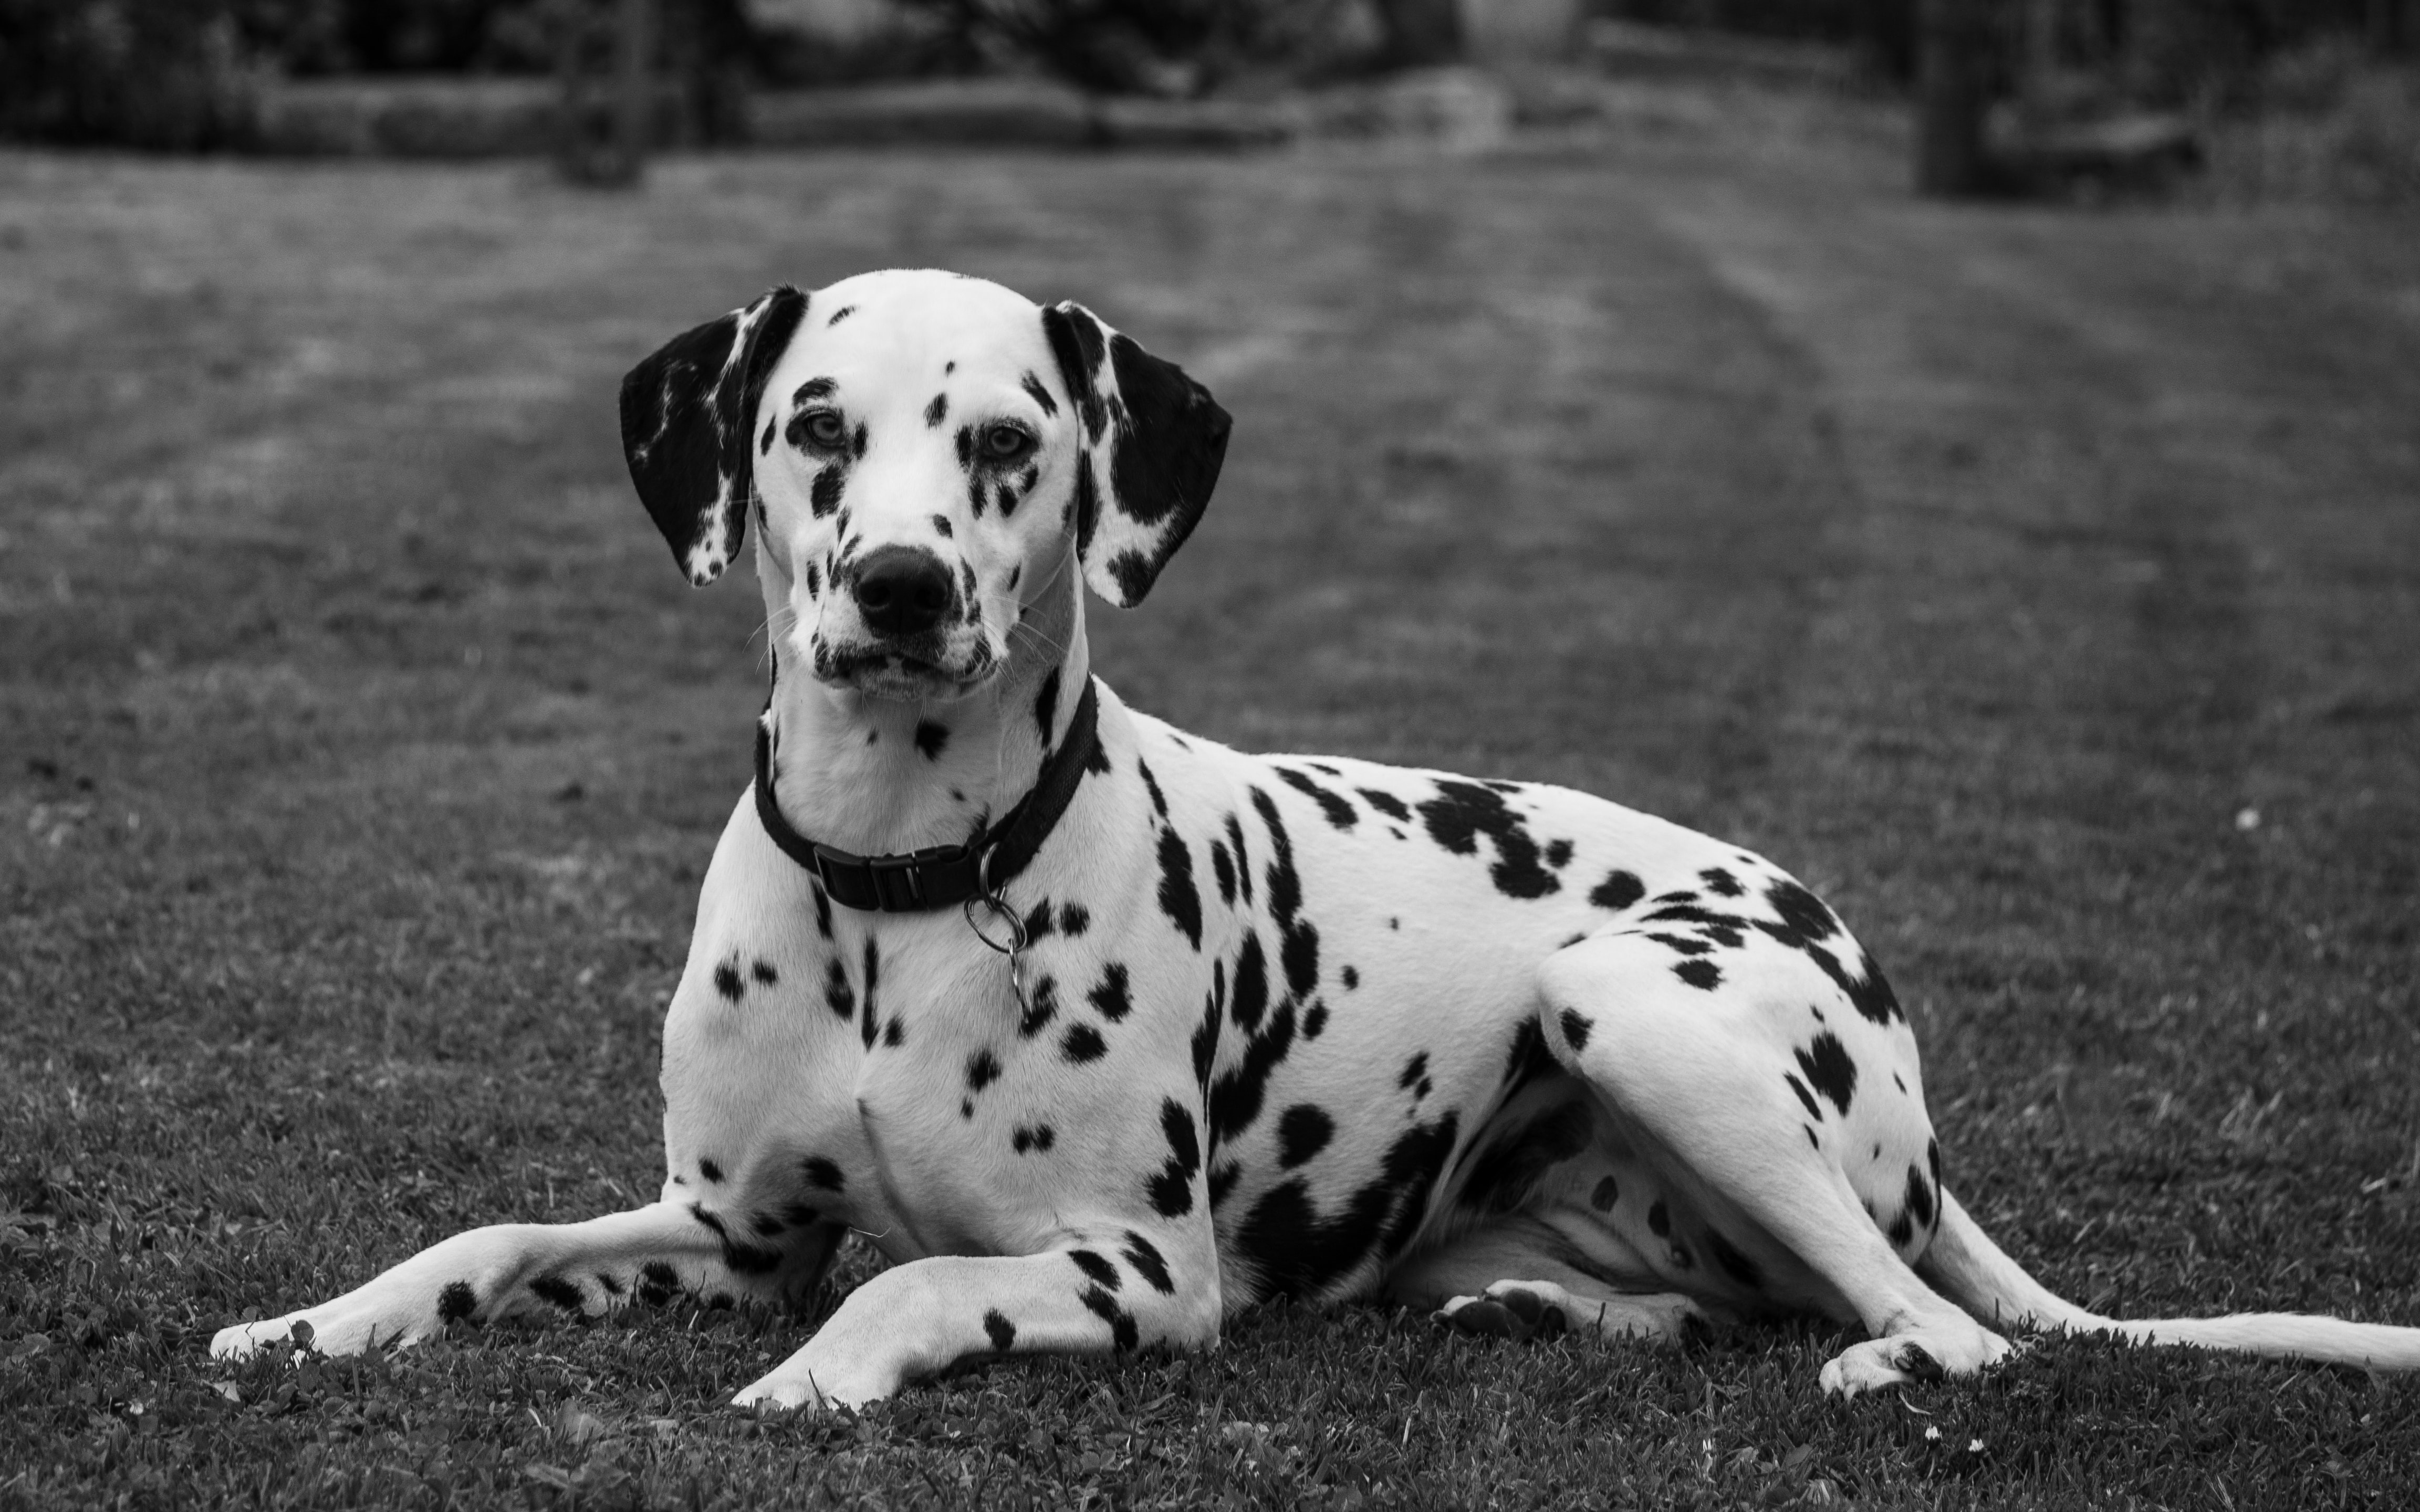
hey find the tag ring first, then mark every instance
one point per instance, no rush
(999, 906)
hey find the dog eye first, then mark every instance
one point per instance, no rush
(820, 428)
(1007, 442)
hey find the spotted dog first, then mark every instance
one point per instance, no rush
(1101, 1031)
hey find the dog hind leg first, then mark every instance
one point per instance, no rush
(1697, 1079)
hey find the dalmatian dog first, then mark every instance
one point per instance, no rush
(1101, 1031)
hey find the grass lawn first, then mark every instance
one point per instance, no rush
(2043, 587)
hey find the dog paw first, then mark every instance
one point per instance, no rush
(823, 1386)
(1924, 1355)
(1512, 1310)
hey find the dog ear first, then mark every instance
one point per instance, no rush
(686, 413)
(1149, 455)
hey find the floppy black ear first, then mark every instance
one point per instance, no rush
(685, 416)
(1152, 441)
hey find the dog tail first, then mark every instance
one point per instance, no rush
(1971, 1271)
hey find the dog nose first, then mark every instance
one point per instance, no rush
(901, 589)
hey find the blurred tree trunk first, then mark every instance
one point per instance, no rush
(1953, 52)
(1421, 33)
(605, 50)
(2390, 27)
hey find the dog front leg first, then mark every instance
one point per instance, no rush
(586, 1269)
(926, 1316)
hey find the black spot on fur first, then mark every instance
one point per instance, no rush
(823, 1173)
(983, 1069)
(942, 528)
(1659, 1219)
(1001, 1332)
(823, 494)
(1303, 1132)
(457, 1302)
(1038, 921)
(1316, 1020)
(1575, 1028)
(1122, 1324)
(1150, 786)
(1074, 920)
(1041, 395)
(1171, 1190)
(1619, 889)
(1235, 1097)
(1462, 812)
(1222, 867)
(710, 1171)
(1801, 910)
(1386, 803)
(1145, 1258)
(1559, 854)
(932, 738)
(1298, 940)
(1414, 1068)
(764, 447)
(1178, 897)
(1903, 1229)
(1700, 974)
(764, 973)
(1299, 1251)
(739, 1256)
(1252, 999)
(727, 982)
(1919, 1198)
(1040, 1137)
(1042, 1006)
(1045, 706)
(838, 315)
(1685, 944)
(1340, 812)
(873, 974)
(937, 411)
(1720, 882)
(1829, 1069)
(1110, 995)
(1607, 1193)
(1804, 1095)
(1205, 1034)
(1243, 860)
(557, 1292)
(658, 1283)
(1102, 1272)
(1083, 1043)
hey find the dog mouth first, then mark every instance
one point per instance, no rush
(911, 672)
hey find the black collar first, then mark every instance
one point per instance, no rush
(941, 875)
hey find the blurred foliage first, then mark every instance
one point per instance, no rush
(1160, 47)
(184, 74)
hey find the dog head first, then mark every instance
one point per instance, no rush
(921, 452)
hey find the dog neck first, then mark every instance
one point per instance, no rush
(884, 776)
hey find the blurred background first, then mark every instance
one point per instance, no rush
(2282, 96)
